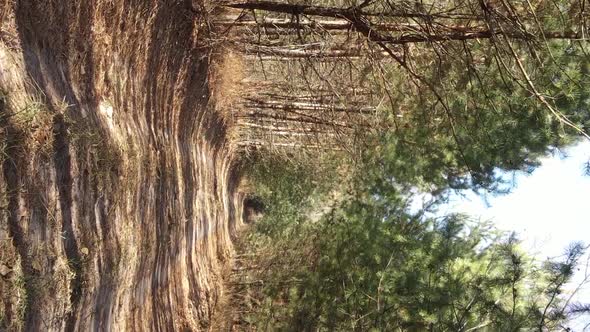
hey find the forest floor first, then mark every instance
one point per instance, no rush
(118, 191)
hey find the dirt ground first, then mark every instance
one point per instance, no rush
(118, 192)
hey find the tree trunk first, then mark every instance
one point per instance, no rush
(333, 12)
(328, 25)
(359, 22)
(307, 106)
(283, 52)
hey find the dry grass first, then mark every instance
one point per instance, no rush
(25, 109)
(93, 147)
(35, 120)
(13, 302)
(228, 73)
(5, 6)
(114, 208)
(61, 280)
(32, 121)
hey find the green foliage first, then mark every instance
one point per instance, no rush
(472, 114)
(288, 187)
(370, 264)
(459, 112)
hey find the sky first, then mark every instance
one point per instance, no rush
(549, 208)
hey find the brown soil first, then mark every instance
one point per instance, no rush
(118, 191)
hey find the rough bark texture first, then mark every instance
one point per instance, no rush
(120, 217)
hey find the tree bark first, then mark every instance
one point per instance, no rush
(306, 106)
(328, 25)
(333, 12)
(283, 52)
(359, 21)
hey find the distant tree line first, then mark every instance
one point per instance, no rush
(500, 78)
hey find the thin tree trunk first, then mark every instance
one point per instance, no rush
(288, 145)
(276, 23)
(306, 106)
(333, 12)
(358, 20)
(300, 120)
(283, 52)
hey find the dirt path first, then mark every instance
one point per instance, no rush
(118, 206)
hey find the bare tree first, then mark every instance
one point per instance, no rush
(339, 49)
